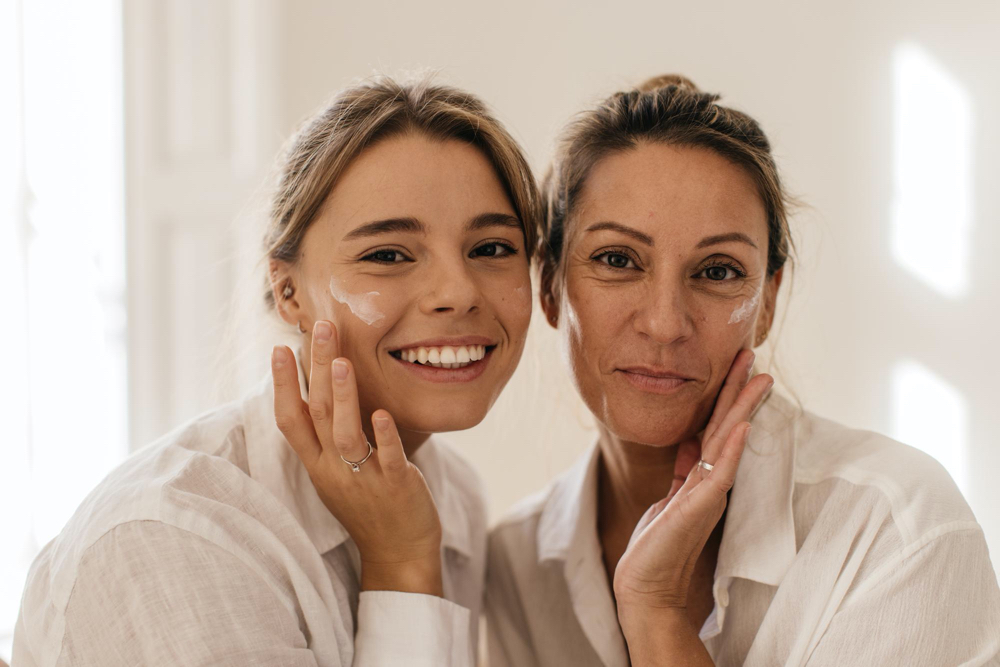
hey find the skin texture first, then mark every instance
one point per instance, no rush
(645, 313)
(446, 279)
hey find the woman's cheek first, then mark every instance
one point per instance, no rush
(511, 300)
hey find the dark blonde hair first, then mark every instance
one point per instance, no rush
(667, 109)
(357, 118)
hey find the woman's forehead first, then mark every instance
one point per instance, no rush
(440, 183)
(676, 193)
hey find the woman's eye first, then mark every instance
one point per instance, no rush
(616, 260)
(495, 249)
(721, 273)
(385, 257)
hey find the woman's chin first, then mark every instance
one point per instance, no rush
(653, 429)
(440, 421)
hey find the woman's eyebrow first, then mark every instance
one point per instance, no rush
(390, 225)
(484, 220)
(726, 238)
(622, 229)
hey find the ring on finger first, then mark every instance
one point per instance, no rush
(705, 465)
(356, 465)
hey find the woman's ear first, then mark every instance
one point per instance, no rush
(549, 296)
(284, 289)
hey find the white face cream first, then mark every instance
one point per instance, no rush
(745, 309)
(361, 305)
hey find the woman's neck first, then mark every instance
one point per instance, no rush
(631, 477)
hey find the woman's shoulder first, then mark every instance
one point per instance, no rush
(863, 468)
(195, 479)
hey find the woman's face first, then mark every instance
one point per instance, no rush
(418, 255)
(664, 283)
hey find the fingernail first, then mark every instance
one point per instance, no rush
(746, 434)
(381, 423)
(339, 370)
(279, 356)
(322, 331)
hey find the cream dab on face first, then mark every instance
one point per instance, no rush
(745, 309)
(361, 305)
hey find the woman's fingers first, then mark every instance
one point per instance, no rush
(325, 349)
(290, 412)
(736, 380)
(391, 457)
(347, 435)
(688, 454)
(723, 474)
(742, 409)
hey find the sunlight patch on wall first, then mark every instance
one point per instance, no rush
(932, 167)
(931, 415)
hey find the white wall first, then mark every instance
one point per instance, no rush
(819, 77)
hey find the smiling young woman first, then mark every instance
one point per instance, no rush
(269, 531)
(673, 542)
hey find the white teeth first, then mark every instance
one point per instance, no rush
(445, 356)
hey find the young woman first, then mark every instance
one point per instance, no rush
(399, 245)
(661, 257)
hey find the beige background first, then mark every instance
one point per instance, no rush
(212, 88)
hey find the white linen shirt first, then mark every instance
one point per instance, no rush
(840, 547)
(212, 547)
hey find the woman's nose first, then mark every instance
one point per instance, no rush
(450, 289)
(665, 315)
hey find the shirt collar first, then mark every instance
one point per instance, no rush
(569, 517)
(758, 541)
(274, 464)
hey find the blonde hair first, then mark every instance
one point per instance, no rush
(366, 113)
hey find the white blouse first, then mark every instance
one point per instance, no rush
(840, 547)
(211, 547)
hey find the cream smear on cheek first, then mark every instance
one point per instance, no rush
(362, 305)
(746, 309)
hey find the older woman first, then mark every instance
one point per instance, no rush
(662, 255)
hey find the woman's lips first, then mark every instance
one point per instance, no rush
(467, 373)
(653, 381)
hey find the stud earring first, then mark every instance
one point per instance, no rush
(288, 292)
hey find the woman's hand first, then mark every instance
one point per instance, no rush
(653, 576)
(386, 506)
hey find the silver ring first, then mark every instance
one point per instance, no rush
(705, 465)
(356, 465)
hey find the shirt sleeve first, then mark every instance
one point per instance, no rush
(508, 639)
(396, 628)
(148, 593)
(937, 606)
